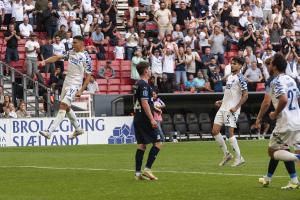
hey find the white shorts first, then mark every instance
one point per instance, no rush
(285, 140)
(68, 94)
(226, 118)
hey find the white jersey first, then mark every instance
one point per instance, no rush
(78, 64)
(289, 118)
(235, 85)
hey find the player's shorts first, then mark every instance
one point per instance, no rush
(68, 94)
(285, 140)
(144, 132)
(226, 118)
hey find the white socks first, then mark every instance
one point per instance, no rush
(233, 142)
(72, 117)
(220, 140)
(285, 156)
(59, 118)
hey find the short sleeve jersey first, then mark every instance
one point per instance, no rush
(143, 91)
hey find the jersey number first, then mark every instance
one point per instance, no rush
(291, 97)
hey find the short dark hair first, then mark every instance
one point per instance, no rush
(279, 62)
(141, 67)
(238, 60)
(78, 37)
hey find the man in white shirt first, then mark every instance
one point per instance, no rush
(59, 50)
(132, 39)
(18, 12)
(7, 12)
(32, 48)
(28, 10)
(163, 19)
(25, 28)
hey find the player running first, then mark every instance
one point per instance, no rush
(284, 94)
(235, 95)
(79, 64)
(144, 124)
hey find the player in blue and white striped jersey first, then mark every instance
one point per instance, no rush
(235, 95)
(79, 65)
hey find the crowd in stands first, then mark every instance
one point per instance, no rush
(188, 43)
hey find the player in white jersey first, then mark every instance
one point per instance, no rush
(79, 65)
(235, 95)
(284, 94)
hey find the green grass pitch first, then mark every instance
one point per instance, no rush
(187, 170)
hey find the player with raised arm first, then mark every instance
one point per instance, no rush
(79, 64)
(235, 95)
(284, 95)
(145, 124)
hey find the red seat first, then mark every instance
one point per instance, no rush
(21, 42)
(113, 88)
(100, 63)
(21, 49)
(127, 81)
(1, 35)
(103, 88)
(22, 56)
(115, 62)
(114, 81)
(125, 92)
(125, 63)
(113, 92)
(125, 88)
(116, 67)
(260, 87)
(125, 74)
(3, 49)
(101, 81)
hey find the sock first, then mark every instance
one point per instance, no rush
(221, 142)
(233, 142)
(290, 167)
(285, 156)
(59, 117)
(152, 156)
(272, 167)
(139, 160)
(72, 117)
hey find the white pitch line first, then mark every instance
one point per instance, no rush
(130, 170)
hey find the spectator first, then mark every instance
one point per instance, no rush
(59, 50)
(275, 36)
(276, 16)
(157, 114)
(6, 112)
(89, 45)
(47, 52)
(7, 12)
(268, 53)
(1, 12)
(11, 37)
(110, 9)
(25, 28)
(119, 51)
(217, 42)
(163, 19)
(1, 99)
(92, 87)
(63, 14)
(287, 42)
(12, 111)
(202, 10)
(56, 80)
(131, 42)
(249, 37)
(22, 113)
(156, 61)
(225, 12)
(97, 37)
(169, 64)
(177, 35)
(28, 11)
(190, 39)
(258, 13)
(190, 85)
(190, 60)
(200, 83)
(136, 59)
(85, 26)
(107, 72)
(253, 75)
(40, 6)
(32, 48)
(108, 28)
(292, 65)
(141, 17)
(180, 69)
(62, 33)
(18, 12)
(68, 41)
(183, 14)
(51, 17)
(165, 85)
(217, 79)
(76, 28)
(287, 21)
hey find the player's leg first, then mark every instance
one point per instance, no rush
(73, 119)
(139, 155)
(239, 160)
(218, 122)
(151, 158)
(59, 118)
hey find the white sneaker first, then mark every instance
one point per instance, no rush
(291, 186)
(226, 159)
(238, 162)
(265, 181)
(76, 133)
(46, 134)
(175, 140)
(148, 173)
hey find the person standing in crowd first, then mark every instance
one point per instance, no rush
(132, 39)
(11, 37)
(157, 114)
(32, 48)
(25, 28)
(50, 17)
(217, 41)
(59, 50)
(163, 19)
(136, 59)
(18, 12)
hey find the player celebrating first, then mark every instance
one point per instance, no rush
(284, 94)
(144, 124)
(235, 95)
(79, 64)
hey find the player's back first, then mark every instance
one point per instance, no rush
(289, 119)
(78, 64)
(235, 85)
(142, 91)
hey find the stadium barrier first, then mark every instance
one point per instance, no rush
(98, 130)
